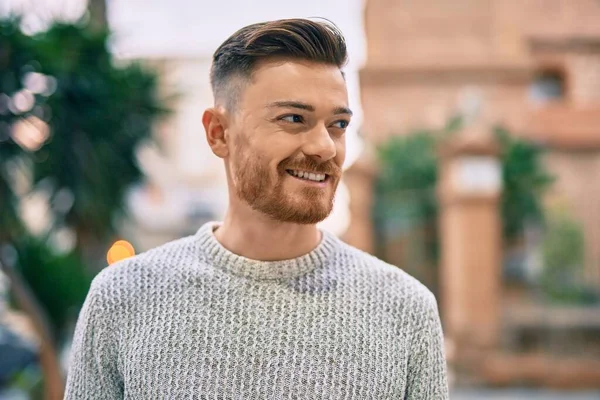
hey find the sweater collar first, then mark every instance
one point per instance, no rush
(224, 259)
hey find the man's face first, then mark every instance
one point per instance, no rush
(288, 140)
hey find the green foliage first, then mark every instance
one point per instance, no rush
(410, 174)
(96, 115)
(60, 281)
(9, 220)
(409, 162)
(563, 258)
(524, 182)
(17, 55)
(562, 247)
(99, 114)
(406, 203)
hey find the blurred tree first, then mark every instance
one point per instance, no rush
(406, 200)
(70, 122)
(100, 113)
(17, 105)
(16, 56)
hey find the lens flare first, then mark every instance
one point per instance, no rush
(120, 250)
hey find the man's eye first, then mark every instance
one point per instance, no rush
(342, 124)
(293, 118)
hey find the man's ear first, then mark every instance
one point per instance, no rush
(215, 124)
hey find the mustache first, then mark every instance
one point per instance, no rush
(309, 164)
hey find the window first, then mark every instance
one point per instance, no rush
(547, 86)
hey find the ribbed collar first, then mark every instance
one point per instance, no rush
(224, 259)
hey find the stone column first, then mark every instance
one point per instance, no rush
(470, 227)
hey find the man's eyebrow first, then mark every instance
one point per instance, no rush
(342, 110)
(291, 104)
(307, 107)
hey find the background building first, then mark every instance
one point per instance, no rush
(534, 67)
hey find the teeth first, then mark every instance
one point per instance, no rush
(308, 175)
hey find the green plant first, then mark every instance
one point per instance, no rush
(405, 207)
(17, 57)
(60, 281)
(524, 181)
(100, 113)
(562, 262)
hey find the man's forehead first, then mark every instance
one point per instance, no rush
(298, 72)
(302, 82)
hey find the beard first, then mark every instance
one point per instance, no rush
(308, 205)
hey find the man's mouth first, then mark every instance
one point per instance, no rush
(306, 175)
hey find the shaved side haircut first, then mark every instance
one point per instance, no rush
(296, 39)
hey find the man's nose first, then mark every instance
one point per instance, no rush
(319, 144)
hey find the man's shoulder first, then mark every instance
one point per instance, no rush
(384, 276)
(148, 268)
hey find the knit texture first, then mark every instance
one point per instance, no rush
(192, 320)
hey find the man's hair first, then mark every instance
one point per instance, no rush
(300, 39)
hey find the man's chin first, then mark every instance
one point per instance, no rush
(299, 215)
(303, 219)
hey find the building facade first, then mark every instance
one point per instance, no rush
(532, 66)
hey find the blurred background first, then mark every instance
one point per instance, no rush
(473, 164)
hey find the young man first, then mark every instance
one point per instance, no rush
(264, 305)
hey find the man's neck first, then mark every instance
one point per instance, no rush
(257, 237)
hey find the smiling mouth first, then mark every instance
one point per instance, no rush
(308, 176)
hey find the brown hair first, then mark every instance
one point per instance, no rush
(302, 39)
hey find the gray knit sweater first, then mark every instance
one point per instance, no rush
(191, 320)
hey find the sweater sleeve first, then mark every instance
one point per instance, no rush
(93, 370)
(427, 371)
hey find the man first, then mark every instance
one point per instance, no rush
(264, 305)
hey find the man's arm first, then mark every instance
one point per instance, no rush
(427, 371)
(93, 370)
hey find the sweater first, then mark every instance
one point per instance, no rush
(192, 320)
